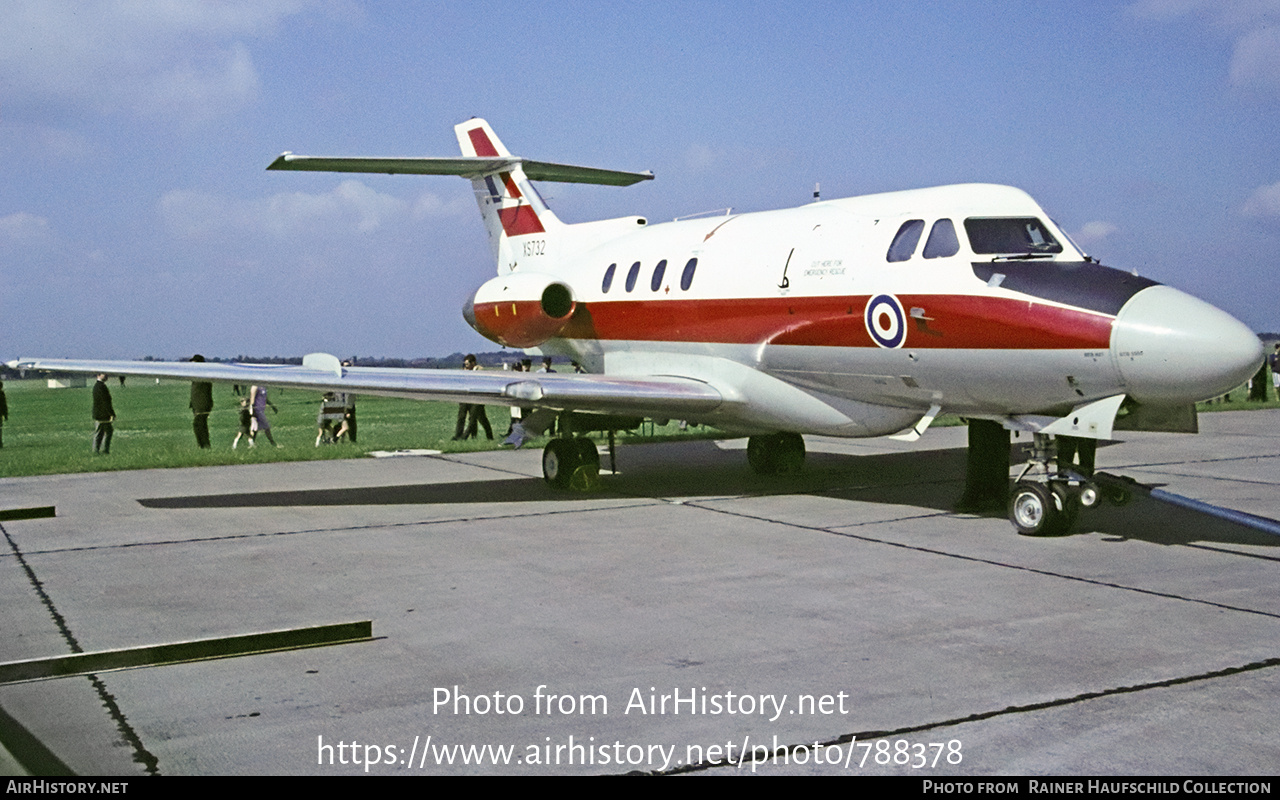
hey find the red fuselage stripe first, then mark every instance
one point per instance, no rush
(950, 322)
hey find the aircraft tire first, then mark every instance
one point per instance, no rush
(559, 460)
(1069, 505)
(789, 454)
(588, 455)
(760, 455)
(1033, 510)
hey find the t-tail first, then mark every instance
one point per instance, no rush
(515, 216)
(523, 232)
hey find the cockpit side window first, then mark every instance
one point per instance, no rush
(905, 241)
(942, 241)
(1010, 235)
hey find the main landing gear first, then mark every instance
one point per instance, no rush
(571, 464)
(1048, 496)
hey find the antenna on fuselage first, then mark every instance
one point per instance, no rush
(817, 192)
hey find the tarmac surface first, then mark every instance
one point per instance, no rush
(1147, 642)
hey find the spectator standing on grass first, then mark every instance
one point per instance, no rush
(471, 415)
(246, 424)
(258, 402)
(330, 416)
(104, 416)
(1273, 361)
(4, 412)
(201, 406)
(348, 427)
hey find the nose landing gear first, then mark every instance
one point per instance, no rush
(1049, 503)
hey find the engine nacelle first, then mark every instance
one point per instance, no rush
(523, 309)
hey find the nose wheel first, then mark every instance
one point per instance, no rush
(1040, 509)
(1050, 505)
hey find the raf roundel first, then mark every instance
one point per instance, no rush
(885, 321)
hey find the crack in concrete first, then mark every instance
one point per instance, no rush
(141, 755)
(992, 562)
(872, 735)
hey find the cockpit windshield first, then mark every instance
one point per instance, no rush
(1010, 236)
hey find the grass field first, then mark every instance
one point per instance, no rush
(50, 431)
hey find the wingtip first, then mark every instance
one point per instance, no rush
(281, 160)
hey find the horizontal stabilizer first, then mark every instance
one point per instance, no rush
(466, 167)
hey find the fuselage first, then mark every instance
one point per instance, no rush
(964, 297)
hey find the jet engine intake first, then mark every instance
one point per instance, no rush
(523, 309)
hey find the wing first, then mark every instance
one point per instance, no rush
(645, 396)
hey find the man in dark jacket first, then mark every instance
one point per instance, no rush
(104, 415)
(201, 405)
(4, 412)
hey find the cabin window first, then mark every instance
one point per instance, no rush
(656, 282)
(904, 243)
(631, 276)
(608, 278)
(1010, 235)
(686, 278)
(942, 241)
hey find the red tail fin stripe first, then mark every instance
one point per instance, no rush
(481, 143)
(520, 220)
(511, 186)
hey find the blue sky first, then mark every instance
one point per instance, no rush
(137, 218)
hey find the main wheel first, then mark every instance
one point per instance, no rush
(586, 475)
(588, 455)
(1034, 511)
(559, 459)
(788, 456)
(760, 455)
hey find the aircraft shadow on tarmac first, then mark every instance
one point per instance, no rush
(931, 480)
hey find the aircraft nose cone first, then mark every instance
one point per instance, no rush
(1173, 349)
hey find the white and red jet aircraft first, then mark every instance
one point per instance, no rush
(865, 316)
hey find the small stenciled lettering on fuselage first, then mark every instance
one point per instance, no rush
(829, 267)
(536, 247)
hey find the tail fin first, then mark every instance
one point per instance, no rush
(510, 205)
(522, 230)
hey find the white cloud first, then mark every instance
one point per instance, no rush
(351, 207)
(170, 58)
(1252, 25)
(700, 158)
(1265, 202)
(23, 227)
(1093, 232)
(1255, 64)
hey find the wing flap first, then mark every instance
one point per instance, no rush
(659, 395)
